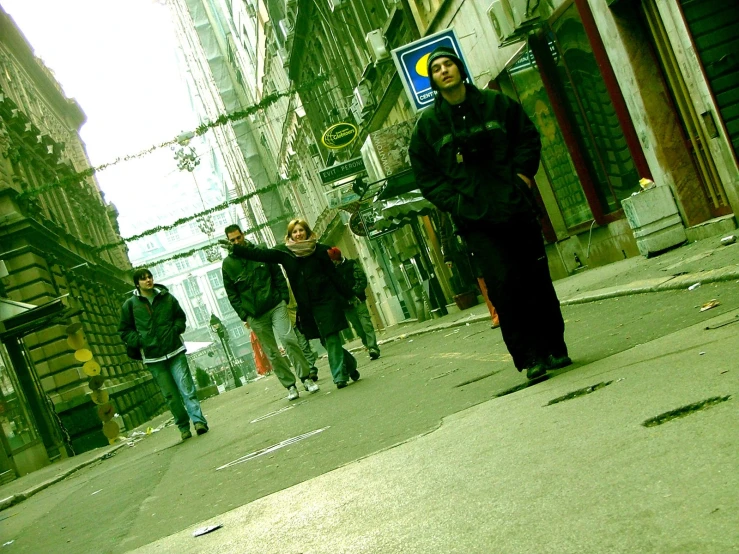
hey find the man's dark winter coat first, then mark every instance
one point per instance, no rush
(353, 275)
(318, 290)
(253, 287)
(156, 327)
(466, 158)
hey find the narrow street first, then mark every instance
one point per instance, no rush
(161, 486)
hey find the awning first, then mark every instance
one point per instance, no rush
(193, 347)
(400, 183)
(18, 319)
(401, 209)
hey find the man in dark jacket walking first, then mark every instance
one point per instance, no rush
(474, 154)
(152, 323)
(356, 311)
(258, 293)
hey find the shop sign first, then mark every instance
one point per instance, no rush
(342, 195)
(411, 62)
(342, 170)
(339, 135)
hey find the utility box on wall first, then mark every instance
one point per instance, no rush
(653, 217)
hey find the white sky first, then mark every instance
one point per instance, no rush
(117, 59)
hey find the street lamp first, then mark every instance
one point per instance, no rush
(219, 330)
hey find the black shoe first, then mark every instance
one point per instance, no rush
(536, 371)
(354, 374)
(374, 354)
(185, 434)
(201, 428)
(556, 362)
(340, 384)
(313, 374)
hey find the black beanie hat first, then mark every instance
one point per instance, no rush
(445, 52)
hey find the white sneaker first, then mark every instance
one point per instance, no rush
(310, 386)
(292, 393)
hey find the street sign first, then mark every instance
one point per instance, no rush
(411, 63)
(342, 170)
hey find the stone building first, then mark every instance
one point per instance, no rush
(53, 218)
(619, 89)
(214, 62)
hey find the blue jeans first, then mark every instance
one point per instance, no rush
(359, 316)
(275, 324)
(175, 381)
(341, 362)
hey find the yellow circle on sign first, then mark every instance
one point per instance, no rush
(111, 429)
(91, 368)
(422, 66)
(83, 355)
(100, 396)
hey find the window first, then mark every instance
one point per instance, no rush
(201, 314)
(194, 229)
(182, 264)
(220, 219)
(216, 279)
(224, 306)
(237, 331)
(191, 287)
(172, 234)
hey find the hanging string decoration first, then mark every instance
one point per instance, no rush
(198, 216)
(266, 102)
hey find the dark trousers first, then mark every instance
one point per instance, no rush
(513, 262)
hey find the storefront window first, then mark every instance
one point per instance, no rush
(555, 157)
(14, 419)
(593, 116)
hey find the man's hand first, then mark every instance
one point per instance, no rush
(525, 179)
(226, 245)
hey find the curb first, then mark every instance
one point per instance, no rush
(663, 284)
(14, 499)
(678, 282)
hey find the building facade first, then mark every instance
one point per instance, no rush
(54, 221)
(620, 90)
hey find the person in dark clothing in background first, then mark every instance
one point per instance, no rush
(152, 323)
(356, 310)
(474, 154)
(259, 296)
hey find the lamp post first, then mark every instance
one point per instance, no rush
(219, 330)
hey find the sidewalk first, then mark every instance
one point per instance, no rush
(26, 486)
(698, 262)
(705, 261)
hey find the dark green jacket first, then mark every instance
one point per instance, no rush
(253, 287)
(154, 327)
(319, 291)
(353, 275)
(465, 159)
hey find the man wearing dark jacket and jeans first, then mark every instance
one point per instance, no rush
(356, 311)
(474, 154)
(152, 322)
(258, 293)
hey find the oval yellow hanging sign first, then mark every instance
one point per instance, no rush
(339, 135)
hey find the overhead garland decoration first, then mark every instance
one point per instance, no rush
(204, 213)
(201, 129)
(189, 253)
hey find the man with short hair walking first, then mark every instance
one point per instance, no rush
(152, 323)
(258, 293)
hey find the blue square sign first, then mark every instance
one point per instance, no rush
(412, 67)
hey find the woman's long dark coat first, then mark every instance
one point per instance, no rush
(318, 289)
